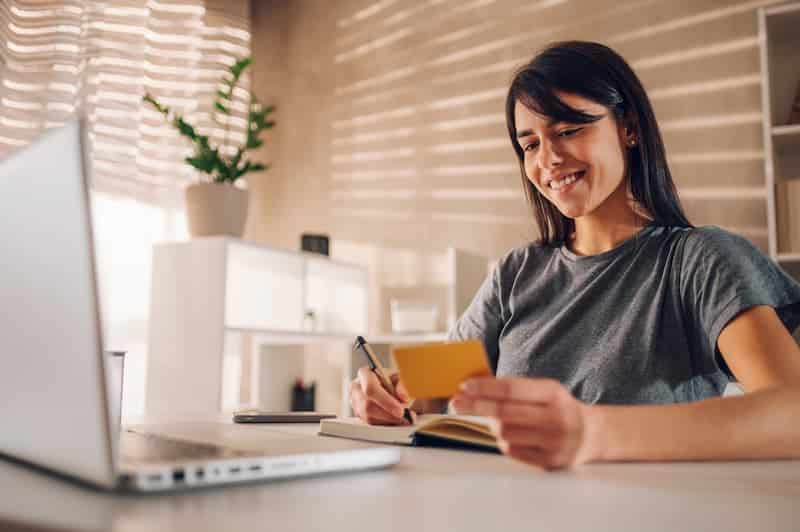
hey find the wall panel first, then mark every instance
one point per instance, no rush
(417, 155)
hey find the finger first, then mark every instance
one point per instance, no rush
(375, 392)
(400, 389)
(368, 410)
(375, 415)
(522, 389)
(542, 437)
(510, 412)
(536, 456)
(358, 400)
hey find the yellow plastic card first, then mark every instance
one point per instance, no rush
(435, 370)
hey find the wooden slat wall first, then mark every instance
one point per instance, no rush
(417, 153)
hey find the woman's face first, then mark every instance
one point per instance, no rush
(575, 166)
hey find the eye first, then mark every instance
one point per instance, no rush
(570, 132)
(530, 146)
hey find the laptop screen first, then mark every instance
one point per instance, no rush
(52, 383)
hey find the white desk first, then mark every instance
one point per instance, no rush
(432, 489)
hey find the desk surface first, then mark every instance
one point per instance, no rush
(431, 489)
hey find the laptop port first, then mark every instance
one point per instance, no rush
(199, 473)
(255, 467)
(178, 476)
(235, 470)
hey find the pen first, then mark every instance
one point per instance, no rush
(375, 366)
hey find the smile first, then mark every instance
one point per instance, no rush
(566, 180)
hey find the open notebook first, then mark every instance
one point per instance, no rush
(436, 430)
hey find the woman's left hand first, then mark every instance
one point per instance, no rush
(536, 420)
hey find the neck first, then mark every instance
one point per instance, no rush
(594, 239)
(607, 226)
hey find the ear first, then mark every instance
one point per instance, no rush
(630, 138)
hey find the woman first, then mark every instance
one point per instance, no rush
(613, 337)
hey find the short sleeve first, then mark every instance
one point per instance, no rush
(482, 320)
(721, 276)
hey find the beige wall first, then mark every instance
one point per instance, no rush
(390, 126)
(292, 70)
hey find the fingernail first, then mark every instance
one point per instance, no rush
(503, 445)
(466, 386)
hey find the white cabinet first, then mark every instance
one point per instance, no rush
(780, 83)
(217, 301)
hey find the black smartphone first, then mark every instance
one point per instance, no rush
(260, 416)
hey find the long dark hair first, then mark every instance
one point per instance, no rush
(595, 72)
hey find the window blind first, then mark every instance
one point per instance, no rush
(98, 58)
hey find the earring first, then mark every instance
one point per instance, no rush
(632, 142)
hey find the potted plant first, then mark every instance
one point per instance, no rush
(216, 206)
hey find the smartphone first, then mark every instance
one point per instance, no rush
(260, 416)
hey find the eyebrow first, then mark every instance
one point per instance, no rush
(528, 132)
(551, 123)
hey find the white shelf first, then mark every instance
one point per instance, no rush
(411, 338)
(791, 130)
(277, 337)
(222, 308)
(779, 41)
(781, 9)
(786, 140)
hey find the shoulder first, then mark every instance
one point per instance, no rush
(711, 254)
(711, 241)
(519, 265)
(523, 258)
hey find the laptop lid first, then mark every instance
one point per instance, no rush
(53, 403)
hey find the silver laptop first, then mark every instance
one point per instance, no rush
(54, 391)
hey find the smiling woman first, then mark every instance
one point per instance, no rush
(576, 168)
(614, 335)
(594, 111)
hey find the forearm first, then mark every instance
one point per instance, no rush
(759, 425)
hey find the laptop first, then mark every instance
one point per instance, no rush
(55, 408)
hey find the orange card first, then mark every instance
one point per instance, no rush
(435, 370)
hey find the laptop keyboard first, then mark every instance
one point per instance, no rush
(137, 448)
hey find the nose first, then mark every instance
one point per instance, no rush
(549, 156)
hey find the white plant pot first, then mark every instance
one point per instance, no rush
(215, 209)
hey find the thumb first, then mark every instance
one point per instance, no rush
(399, 388)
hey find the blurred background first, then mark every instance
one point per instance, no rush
(390, 137)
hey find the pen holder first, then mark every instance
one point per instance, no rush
(303, 396)
(115, 369)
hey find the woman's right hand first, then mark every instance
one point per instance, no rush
(374, 404)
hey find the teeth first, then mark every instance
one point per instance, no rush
(571, 178)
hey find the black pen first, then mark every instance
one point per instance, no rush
(375, 366)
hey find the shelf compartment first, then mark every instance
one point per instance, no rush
(782, 41)
(788, 131)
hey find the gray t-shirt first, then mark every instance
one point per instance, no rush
(636, 324)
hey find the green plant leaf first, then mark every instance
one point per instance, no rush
(186, 129)
(200, 163)
(221, 108)
(148, 98)
(253, 142)
(238, 67)
(208, 159)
